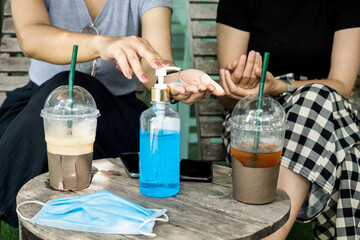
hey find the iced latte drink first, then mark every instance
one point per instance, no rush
(70, 136)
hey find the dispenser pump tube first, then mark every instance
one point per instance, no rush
(161, 73)
(161, 92)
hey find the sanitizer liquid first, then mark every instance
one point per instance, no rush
(159, 163)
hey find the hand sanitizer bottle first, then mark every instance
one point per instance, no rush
(160, 143)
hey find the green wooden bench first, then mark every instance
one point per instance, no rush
(13, 64)
(202, 25)
(202, 36)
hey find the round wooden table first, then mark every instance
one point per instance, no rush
(199, 211)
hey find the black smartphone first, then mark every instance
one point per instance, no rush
(190, 170)
(131, 163)
(196, 170)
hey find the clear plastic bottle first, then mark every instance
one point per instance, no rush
(160, 143)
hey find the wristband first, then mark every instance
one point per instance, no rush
(173, 101)
(289, 86)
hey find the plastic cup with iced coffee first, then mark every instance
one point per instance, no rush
(70, 127)
(257, 137)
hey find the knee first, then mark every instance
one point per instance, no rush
(311, 100)
(316, 91)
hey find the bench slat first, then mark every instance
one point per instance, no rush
(204, 48)
(15, 64)
(209, 66)
(10, 45)
(203, 30)
(209, 128)
(9, 83)
(210, 107)
(8, 26)
(212, 151)
(199, 12)
(7, 8)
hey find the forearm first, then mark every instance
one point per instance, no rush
(156, 28)
(340, 86)
(54, 45)
(39, 39)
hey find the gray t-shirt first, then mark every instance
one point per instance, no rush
(118, 18)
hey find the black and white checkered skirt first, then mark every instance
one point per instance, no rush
(321, 145)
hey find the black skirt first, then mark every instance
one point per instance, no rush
(22, 140)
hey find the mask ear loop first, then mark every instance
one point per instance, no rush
(166, 219)
(27, 202)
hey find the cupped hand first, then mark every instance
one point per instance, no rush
(239, 78)
(243, 70)
(233, 90)
(271, 87)
(127, 53)
(192, 86)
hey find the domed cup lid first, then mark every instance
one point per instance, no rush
(58, 105)
(246, 116)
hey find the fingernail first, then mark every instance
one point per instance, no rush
(128, 73)
(118, 67)
(158, 64)
(165, 63)
(144, 77)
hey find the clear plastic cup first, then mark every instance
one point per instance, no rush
(70, 135)
(257, 138)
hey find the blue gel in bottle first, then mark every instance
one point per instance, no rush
(159, 163)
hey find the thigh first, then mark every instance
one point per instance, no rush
(14, 104)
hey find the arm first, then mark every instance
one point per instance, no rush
(232, 44)
(345, 63)
(38, 39)
(156, 29)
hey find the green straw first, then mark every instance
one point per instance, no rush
(71, 82)
(260, 97)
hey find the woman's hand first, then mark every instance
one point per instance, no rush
(239, 78)
(193, 86)
(230, 80)
(272, 86)
(242, 75)
(127, 52)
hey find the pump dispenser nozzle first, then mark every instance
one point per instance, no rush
(161, 92)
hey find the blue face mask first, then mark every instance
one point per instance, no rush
(101, 212)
